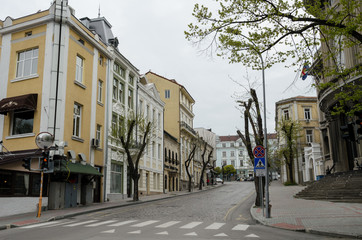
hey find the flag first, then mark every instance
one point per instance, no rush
(304, 73)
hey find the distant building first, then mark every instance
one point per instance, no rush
(304, 111)
(231, 151)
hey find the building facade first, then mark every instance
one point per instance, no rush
(231, 151)
(301, 110)
(171, 163)
(178, 119)
(51, 66)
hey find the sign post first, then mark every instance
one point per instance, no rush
(260, 170)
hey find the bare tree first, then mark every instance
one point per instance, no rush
(188, 163)
(257, 131)
(205, 163)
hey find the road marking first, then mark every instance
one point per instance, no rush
(162, 233)
(142, 224)
(109, 231)
(252, 235)
(122, 223)
(80, 223)
(240, 227)
(237, 205)
(221, 235)
(191, 225)
(191, 234)
(100, 223)
(168, 224)
(60, 223)
(41, 224)
(135, 232)
(215, 226)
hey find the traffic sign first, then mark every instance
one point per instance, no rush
(259, 163)
(260, 172)
(259, 151)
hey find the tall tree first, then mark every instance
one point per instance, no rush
(133, 143)
(205, 162)
(242, 30)
(255, 121)
(289, 131)
(188, 162)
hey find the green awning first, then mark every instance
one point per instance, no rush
(68, 166)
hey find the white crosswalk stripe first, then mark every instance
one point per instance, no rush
(100, 223)
(168, 224)
(191, 225)
(41, 224)
(80, 223)
(215, 226)
(240, 227)
(122, 223)
(143, 224)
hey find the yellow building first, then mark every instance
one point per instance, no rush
(53, 77)
(308, 163)
(178, 120)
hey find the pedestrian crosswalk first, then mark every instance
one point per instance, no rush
(135, 226)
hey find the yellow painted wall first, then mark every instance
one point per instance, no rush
(100, 110)
(172, 105)
(77, 94)
(30, 17)
(32, 85)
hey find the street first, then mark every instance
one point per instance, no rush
(221, 213)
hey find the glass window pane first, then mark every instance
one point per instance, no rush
(34, 67)
(23, 122)
(27, 67)
(35, 52)
(19, 69)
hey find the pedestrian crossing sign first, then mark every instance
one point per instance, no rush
(259, 163)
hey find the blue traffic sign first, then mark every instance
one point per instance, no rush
(259, 163)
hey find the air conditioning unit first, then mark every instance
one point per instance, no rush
(95, 142)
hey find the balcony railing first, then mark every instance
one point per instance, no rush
(188, 128)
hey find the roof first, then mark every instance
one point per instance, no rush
(230, 138)
(297, 98)
(171, 80)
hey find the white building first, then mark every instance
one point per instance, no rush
(231, 151)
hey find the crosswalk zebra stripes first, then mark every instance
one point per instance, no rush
(138, 224)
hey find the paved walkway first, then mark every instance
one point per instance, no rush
(320, 217)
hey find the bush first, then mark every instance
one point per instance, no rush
(289, 183)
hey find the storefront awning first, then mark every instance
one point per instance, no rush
(86, 169)
(9, 157)
(23, 102)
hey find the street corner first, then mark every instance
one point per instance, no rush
(24, 223)
(288, 226)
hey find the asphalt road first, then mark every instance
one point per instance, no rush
(221, 213)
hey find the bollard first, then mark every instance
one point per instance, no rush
(269, 210)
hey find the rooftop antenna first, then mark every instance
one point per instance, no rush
(99, 11)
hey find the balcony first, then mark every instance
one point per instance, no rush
(184, 126)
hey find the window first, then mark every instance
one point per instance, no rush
(130, 79)
(22, 122)
(98, 133)
(79, 70)
(223, 154)
(240, 153)
(233, 162)
(101, 60)
(224, 162)
(232, 154)
(241, 163)
(115, 89)
(27, 63)
(28, 34)
(120, 92)
(224, 145)
(286, 114)
(159, 120)
(167, 93)
(114, 125)
(232, 145)
(307, 115)
(309, 135)
(100, 89)
(116, 177)
(130, 98)
(77, 118)
(120, 70)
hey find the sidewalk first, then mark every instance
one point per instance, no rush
(319, 217)
(51, 215)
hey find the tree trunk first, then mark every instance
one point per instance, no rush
(135, 177)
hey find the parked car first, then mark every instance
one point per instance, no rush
(249, 179)
(219, 180)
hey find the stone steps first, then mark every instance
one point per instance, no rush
(345, 187)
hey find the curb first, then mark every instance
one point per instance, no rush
(9, 226)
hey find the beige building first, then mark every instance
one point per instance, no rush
(52, 73)
(304, 111)
(178, 119)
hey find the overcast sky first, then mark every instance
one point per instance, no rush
(151, 36)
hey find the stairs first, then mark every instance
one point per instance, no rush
(336, 187)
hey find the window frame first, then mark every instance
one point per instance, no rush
(23, 64)
(307, 114)
(77, 128)
(13, 122)
(79, 69)
(309, 137)
(100, 91)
